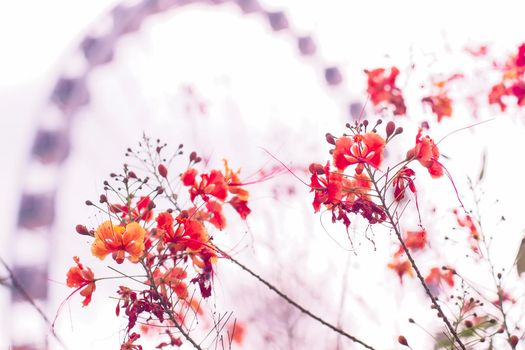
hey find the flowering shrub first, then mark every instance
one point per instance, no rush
(163, 225)
(171, 247)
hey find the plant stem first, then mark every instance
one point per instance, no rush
(420, 277)
(18, 287)
(168, 310)
(295, 304)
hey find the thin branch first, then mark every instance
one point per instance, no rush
(295, 304)
(395, 227)
(20, 289)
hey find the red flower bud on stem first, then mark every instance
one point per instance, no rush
(402, 340)
(162, 170)
(82, 230)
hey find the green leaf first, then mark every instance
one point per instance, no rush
(444, 341)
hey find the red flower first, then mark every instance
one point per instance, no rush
(468, 223)
(217, 219)
(189, 234)
(400, 182)
(414, 240)
(188, 178)
(327, 189)
(80, 276)
(512, 82)
(427, 153)
(212, 184)
(129, 344)
(141, 210)
(165, 226)
(241, 206)
(496, 96)
(360, 150)
(383, 90)
(518, 90)
(440, 104)
(437, 275)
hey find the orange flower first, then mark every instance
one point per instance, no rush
(427, 153)
(173, 278)
(234, 182)
(401, 268)
(440, 104)
(360, 149)
(237, 332)
(119, 240)
(80, 276)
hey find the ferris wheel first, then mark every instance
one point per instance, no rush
(73, 93)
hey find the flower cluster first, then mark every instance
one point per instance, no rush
(346, 192)
(172, 248)
(383, 91)
(512, 83)
(358, 181)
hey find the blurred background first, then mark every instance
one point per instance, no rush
(82, 81)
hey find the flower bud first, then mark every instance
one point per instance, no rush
(390, 128)
(402, 340)
(82, 230)
(316, 168)
(151, 205)
(330, 138)
(162, 170)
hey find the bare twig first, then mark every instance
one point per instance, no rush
(295, 304)
(20, 289)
